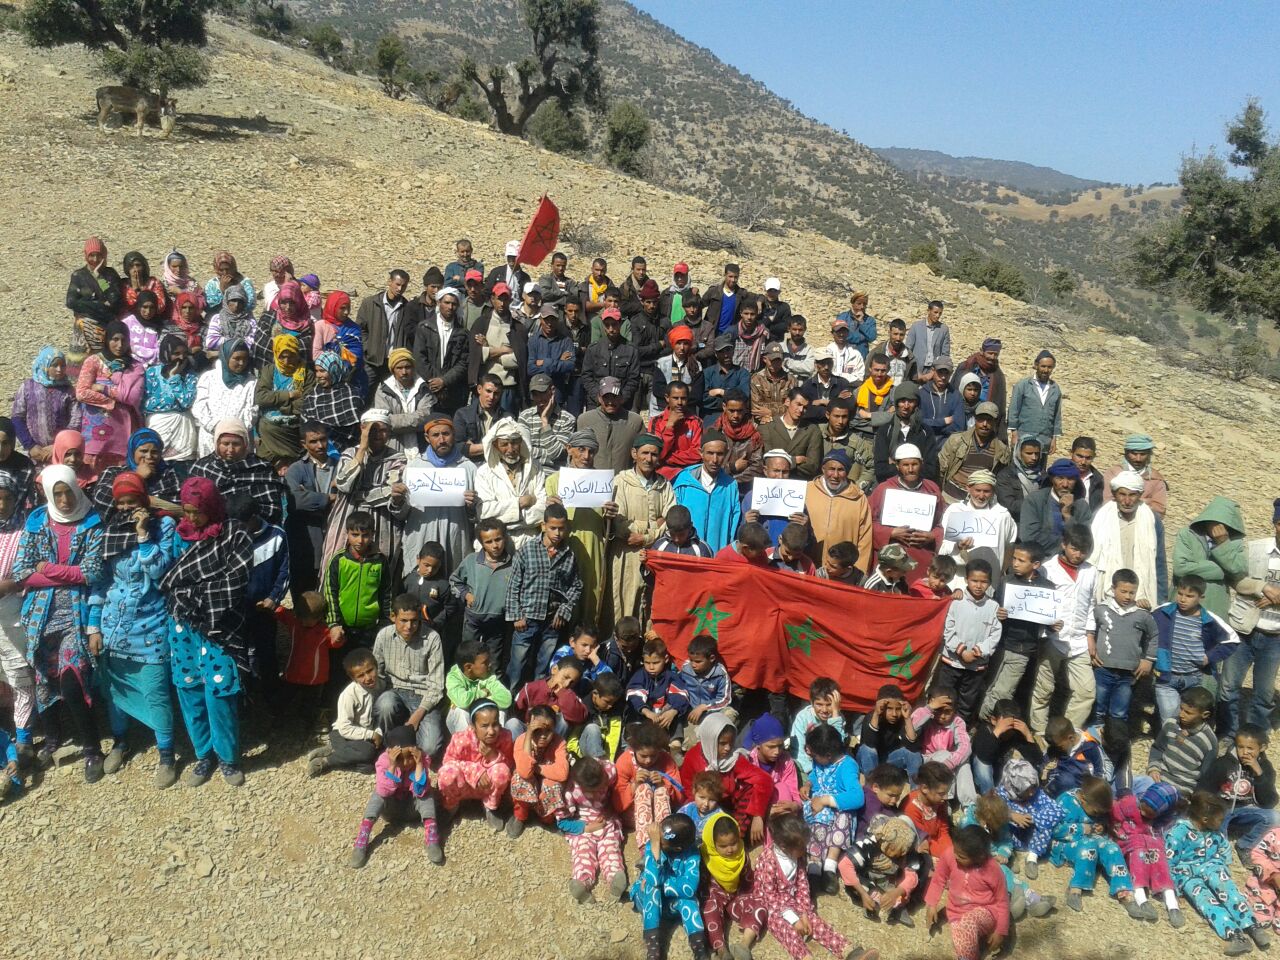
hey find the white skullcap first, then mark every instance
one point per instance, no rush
(908, 451)
(779, 454)
(1128, 480)
(374, 415)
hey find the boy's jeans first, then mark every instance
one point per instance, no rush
(531, 650)
(1113, 693)
(908, 760)
(1250, 824)
(394, 707)
(1262, 650)
(1169, 692)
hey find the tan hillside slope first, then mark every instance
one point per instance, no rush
(281, 154)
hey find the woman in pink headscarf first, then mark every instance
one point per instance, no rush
(68, 450)
(177, 282)
(93, 296)
(293, 315)
(225, 273)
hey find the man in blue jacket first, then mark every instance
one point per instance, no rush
(941, 409)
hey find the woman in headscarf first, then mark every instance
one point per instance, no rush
(747, 788)
(178, 280)
(170, 392)
(234, 468)
(188, 320)
(14, 668)
(110, 393)
(224, 275)
(370, 477)
(68, 450)
(145, 459)
(281, 393)
(588, 525)
(137, 279)
(310, 284)
(59, 554)
(235, 321)
(93, 297)
(281, 269)
(16, 464)
(128, 629)
(335, 331)
(44, 404)
(227, 392)
(407, 398)
(290, 314)
(145, 324)
(334, 402)
(449, 526)
(205, 592)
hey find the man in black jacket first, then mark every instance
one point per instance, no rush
(720, 306)
(904, 426)
(557, 287)
(443, 349)
(473, 421)
(1083, 452)
(775, 313)
(510, 272)
(610, 357)
(382, 324)
(500, 345)
(631, 287)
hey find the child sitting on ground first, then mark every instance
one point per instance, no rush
(477, 764)
(823, 707)
(1200, 863)
(429, 583)
(1002, 737)
(888, 735)
(584, 645)
(588, 819)
(555, 692)
(840, 565)
(401, 780)
(835, 797)
(1081, 841)
(707, 791)
(936, 582)
(992, 814)
(648, 780)
(542, 767)
(1033, 813)
(926, 806)
(1185, 747)
(943, 737)
(471, 679)
(410, 656)
(307, 672)
(706, 686)
(728, 893)
(977, 898)
(887, 786)
(1135, 823)
(781, 882)
(667, 888)
(766, 740)
(654, 693)
(746, 786)
(601, 735)
(1245, 780)
(623, 652)
(1263, 886)
(1072, 757)
(882, 869)
(354, 740)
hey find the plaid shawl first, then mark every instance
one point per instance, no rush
(118, 530)
(252, 475)
(338, 408)
(206, 588)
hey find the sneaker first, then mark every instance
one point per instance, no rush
(830, 882)
(495, 822)
(360, 849)
(1134, 909)
(1237, 945)
(579, 891)
(1176, 919)
(1042, 907)
(1031, 869)
(1149, 911)
(166, 775)
(1259, 936)
(1073, 901)
(115, 759)
(316, 766)
(232, 774)
(435, 854)
(515, 827)
(199, 772)
(44, 759)
(900, 916)
(92, 767)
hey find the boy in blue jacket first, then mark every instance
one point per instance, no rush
(1071, 757)
(706, 685)
(654, 693)
(1191, 641)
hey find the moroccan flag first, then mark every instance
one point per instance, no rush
(544, 230)
(779, 631)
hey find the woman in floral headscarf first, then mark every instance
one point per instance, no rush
(137, 278)
(93, 297)
(110, 393)
(226, 392)
(334, 402)
(170, 394)
(188, 319)
(281, 269)
(293, 314)
(337, 332)
(282, 389)
(224, 275)
(45, 404)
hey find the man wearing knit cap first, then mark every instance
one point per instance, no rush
(681, 365)
(903, 426)
(646, 330)
(979, 528)
(838, 512)
(449, 526)
(710, 493)
(1046, 512)
(614, 426)
(1035, 409)
(1260, 647)
(985, 365)
(1127, 535)
(978, 448)
(1139, 449)
(920, 545)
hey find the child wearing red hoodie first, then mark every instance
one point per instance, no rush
(926, 806)
(977, 898)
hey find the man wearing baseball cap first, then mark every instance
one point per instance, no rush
(941, 408)
(549, 424)
(510, 273)
(770, 385)
(610, 356)
(478, 296)
(978, 448)
(775, 313)
(847, 359)
(1139, 449)
(615, 427)
(501, 348)
(721, 377)
(680, 291)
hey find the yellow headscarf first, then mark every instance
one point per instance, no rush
(725, 871)
(287, 343)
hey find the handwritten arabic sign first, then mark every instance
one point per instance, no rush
(435, 486)
(904, 508)
(777, 498)
(1033, 604)
(585, 488)
(972, 525)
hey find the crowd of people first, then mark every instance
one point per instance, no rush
(207, 469)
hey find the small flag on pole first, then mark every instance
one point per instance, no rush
(543, 233)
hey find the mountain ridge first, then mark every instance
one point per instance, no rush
(1015, 174)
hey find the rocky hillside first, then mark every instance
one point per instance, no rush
(280, 154)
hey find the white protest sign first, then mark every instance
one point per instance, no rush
(905, 508)
(435, 486)
(777, 498)
(585, 488)
(1033, 604)
(980, 527)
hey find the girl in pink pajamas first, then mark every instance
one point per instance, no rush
(1136, 820)
(595, 835)
(977, 897)
(648, 786)
(477, 764)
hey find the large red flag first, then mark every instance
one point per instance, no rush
(543, 233)
(779, 631)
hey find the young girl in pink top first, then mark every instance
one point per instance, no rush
(477, 764)
(766, 738)
(977, 898)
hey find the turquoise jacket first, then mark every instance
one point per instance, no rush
(716, 515)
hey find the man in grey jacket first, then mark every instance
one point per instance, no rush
(927, 340)
(1035, 408)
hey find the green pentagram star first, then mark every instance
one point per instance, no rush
(901, 665)
(802, 636)
(709, 617)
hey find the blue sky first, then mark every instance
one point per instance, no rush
(1108, 91)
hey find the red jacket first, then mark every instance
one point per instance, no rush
(932, 823)
(747, 788)
(681, 444)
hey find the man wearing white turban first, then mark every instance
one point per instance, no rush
(1127, 534)
(509, 485)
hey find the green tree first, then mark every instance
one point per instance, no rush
(1223, 252)
(269, 18)
(627, 133)
(325, 42)
(564, 65)
(391, 64)
(1062, 283)
(149, 43)
(558, 129)
(992, 273)
(926, 253)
